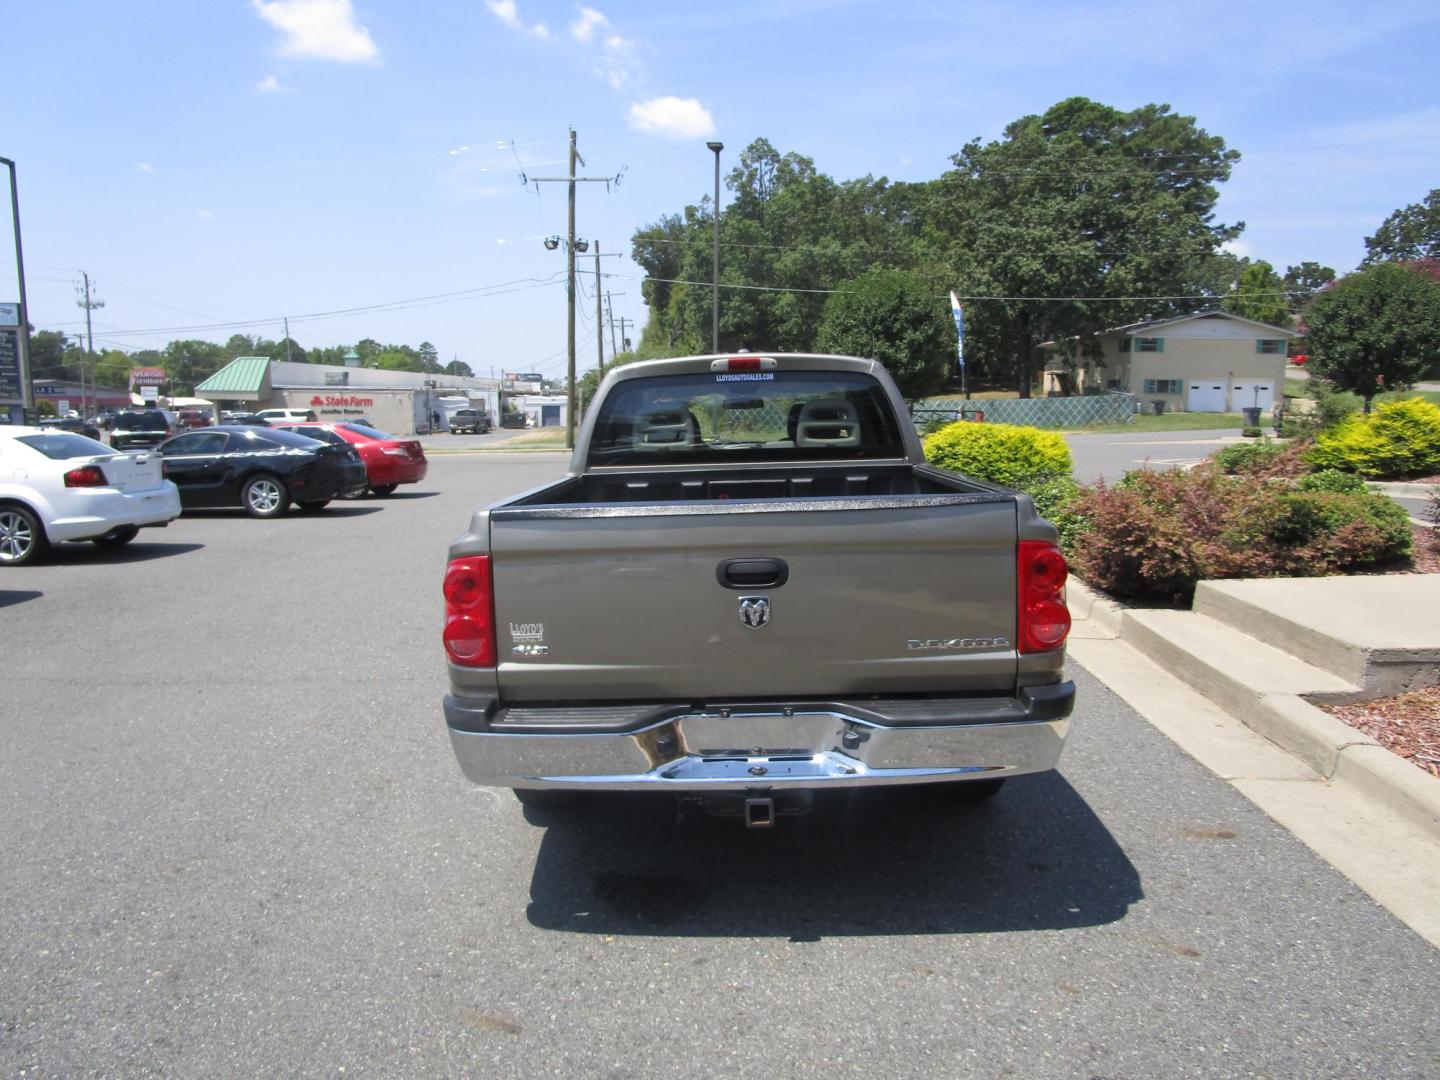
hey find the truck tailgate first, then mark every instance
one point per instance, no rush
(881, 596)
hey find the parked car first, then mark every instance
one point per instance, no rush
(142, 428)
(389, 461)
(263, 470)
(195, 418)
(75, 488)
(253, 419)
(473, 421)
(73, 425)
(285, 416)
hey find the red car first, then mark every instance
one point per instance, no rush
(389, 461)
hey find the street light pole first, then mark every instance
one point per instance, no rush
(715, 271)
(599, 325)
(27, 391)
(570, 306)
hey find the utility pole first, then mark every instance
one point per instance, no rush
(571, 180)
(89, 305)
(625, 341)
(715, 147)
(610, 310)
(599, 327)
(287, 339)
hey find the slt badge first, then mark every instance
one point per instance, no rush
(754, 611)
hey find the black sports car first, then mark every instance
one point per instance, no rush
(260, 469)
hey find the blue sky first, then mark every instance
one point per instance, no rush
(241, 160)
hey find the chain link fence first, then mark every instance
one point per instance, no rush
(1058, 412)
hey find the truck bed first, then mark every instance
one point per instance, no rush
(748, 483)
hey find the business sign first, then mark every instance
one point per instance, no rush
(9, 314)
(516, 383)
(147, 376)
(150, 394)
(10, 364)
(62, 407)
(341, 401)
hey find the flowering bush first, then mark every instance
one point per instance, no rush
(1155, 534)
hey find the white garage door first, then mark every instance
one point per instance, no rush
(1206, 395)
(1253, 392)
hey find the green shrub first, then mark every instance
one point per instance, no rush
(1160, 532)
(1400, 438)
(1331, 407)
(1331, 480)
(1251, 432)
(1005, 454)
(1054, 500)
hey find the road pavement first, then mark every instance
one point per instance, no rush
(1113, 454)
(235, 842)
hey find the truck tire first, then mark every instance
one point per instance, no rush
(974, 791)
(545, 800)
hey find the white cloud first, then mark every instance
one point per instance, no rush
(1238, 248)
(583, 27)
(675, 118)
(509, 14)
(145, 166)
(271, 85)
(617, 62)
(319, 29)
(205, 215)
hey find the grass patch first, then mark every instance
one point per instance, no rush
(1172, 422)
(1304, 388)
(551, 438)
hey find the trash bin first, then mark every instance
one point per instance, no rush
(1252, 416)
(1158, 405)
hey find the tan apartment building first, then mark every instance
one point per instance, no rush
(1211, 361)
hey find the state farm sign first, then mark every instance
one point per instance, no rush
(341, 401)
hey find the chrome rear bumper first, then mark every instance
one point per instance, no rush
(747, 748)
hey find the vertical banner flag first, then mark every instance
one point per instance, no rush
(959, 329)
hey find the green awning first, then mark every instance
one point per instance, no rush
(246, 378)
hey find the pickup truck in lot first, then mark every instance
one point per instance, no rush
(750, 587)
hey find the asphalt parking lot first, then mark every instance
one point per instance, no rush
(235, 842)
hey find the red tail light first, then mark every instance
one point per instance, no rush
(1040, 573)
(85, 476)
(469, 612)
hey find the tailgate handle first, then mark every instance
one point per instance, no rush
(752, 573)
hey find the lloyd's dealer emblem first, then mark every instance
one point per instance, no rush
(754, 611)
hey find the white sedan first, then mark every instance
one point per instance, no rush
(56, 486)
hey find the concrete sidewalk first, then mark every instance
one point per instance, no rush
(1232, 682)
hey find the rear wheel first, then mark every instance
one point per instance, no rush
(313, 505)
(974, 791)
(264, 496)
(119, 538)
(22, 538)
(384, 489)
(545, 800)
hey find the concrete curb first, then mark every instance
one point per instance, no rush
(1401, 488)
(1337, 752)
(1087, 605)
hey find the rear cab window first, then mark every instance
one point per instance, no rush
(719, 418)
(62, 446)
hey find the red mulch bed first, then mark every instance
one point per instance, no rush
(1408, 725)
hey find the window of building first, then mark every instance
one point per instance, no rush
(1149, 344)
(1124, 344)
(1164, 386)
(1270, 346)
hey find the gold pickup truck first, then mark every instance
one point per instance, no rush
(749, 587)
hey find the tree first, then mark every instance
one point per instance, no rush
(189, 363)
(895, 317)
(1412, 232)
(1376, 330)
(1303, 282)
(429, 358)
(1075, 221)
(458, 367)
(47, 354)
(1259, 295)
